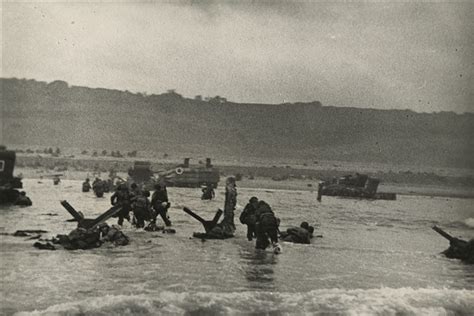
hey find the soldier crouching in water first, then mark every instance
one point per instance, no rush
(299, 235)
(122, 197)
(160, 203)
(248, 218)
(266, 227)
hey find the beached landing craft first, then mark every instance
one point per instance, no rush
(182, 175)
(356, 186)
(8, 183)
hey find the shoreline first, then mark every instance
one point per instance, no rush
(399, 189)
(267, 183)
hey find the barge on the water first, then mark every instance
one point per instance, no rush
(8, 183)
(354, 186)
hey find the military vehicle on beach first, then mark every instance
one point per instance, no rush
(141, 172)
(357, 186)
(182, 175)
(8, 183)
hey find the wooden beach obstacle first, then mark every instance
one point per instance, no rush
(90, 233)
(208, 225)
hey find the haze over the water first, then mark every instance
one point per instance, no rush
(379, 55)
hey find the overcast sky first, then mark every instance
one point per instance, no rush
(379, 55)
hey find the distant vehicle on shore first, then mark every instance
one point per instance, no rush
(8, 183)
(182, 175)
(357, 186)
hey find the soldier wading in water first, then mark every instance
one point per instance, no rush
(160, 203)
(122, 197)
(248, 218)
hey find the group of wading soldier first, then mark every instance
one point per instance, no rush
(259, 217)
(137, 202)
(262, 224)
(99, 186)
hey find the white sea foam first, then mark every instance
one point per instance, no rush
(469, 222)
(384, 301)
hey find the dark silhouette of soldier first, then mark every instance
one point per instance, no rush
(142, 209)
(98, 187)
(23, 200)
(208, 192)
(299, 235)
(86, 185)
(56, 180)
(230, 203)
(122, 198)
(266, 226)
(248, 218)
(160, 203)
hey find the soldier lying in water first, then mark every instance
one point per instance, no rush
(90, 233)
(82, 238)
(298, 235)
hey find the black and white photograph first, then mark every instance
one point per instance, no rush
(236, 157)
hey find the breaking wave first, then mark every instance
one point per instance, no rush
(383, 301)
(469, 222)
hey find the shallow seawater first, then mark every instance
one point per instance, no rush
(375, 257)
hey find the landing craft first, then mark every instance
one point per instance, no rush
(8, 183)
(182, 175)
(356, 186)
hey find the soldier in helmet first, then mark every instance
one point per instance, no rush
(142, 209)
(86, 185)
(98, 187)
(56, 180)
(248, 218)
(208, 192)
(299, 235)
(160, 203)
(134, 191)
(122, 197)
(266, 226)
(23, 200)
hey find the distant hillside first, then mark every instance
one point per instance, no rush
(55, 114)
